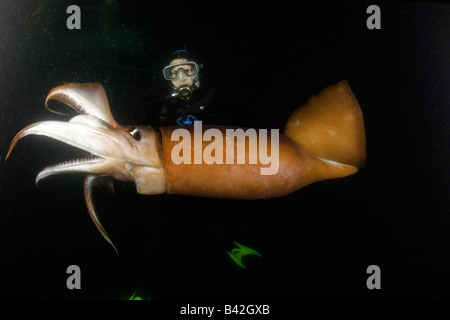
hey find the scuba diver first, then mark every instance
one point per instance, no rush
(187, 101)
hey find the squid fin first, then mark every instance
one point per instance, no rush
(330, 126)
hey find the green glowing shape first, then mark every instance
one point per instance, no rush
(136, 297)
(238, 253)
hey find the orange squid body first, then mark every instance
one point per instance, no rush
(323, 139)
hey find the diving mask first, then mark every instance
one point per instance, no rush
(181, 71)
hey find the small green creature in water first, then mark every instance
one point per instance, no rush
(238, 253)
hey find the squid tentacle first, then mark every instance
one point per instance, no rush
(88, 187)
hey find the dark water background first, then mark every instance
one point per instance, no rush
(264, 61)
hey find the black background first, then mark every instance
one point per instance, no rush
(264, 61)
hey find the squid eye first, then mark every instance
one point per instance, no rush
(135, 133)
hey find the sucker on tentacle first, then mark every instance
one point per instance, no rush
(323, 139)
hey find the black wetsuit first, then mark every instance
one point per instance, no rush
(172, 111)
